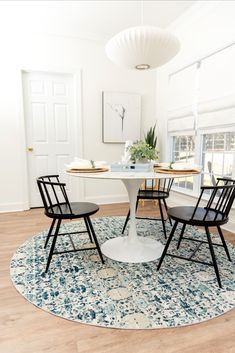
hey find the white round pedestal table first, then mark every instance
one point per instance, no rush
(131, 248)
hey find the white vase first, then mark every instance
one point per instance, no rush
(142, 161)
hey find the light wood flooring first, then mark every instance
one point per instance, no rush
(26, 329)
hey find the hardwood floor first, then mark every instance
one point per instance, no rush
(26, 329)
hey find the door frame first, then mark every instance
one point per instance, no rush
(77, 86)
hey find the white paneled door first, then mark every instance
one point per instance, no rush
(50, 128)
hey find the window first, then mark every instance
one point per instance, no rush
(198, 103)
(217, 155)
(183, 150)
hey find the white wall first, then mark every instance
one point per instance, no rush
(23, 50)
(204, 28)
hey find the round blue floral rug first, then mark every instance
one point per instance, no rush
(121, 295)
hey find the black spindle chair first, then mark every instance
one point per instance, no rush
(214, 214)
(58, 207)
(160, 193)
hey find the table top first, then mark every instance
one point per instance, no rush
(128, 175)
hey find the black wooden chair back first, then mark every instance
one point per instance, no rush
(220, 201)
(161, 185)
(53, 194)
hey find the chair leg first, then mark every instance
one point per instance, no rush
(128, 216)
(126, 221)
(166, 208)
(137, 204)
(167, 245)
(224, 243)
(49, 233)
(162, 218)
(95, 239)
(213, 256)
(88, 229)
(53, 244)
(181, 235)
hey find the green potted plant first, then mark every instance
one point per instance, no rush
(142, 152)
(151, 138)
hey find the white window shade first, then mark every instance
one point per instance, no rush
(182, 86)
(181, 124)
(220, 117)
(203, 96)
(222, 103)
(217, 81)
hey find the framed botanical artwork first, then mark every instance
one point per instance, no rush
(121, 117)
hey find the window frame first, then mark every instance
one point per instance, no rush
(198, 154)
(216, 130)
(194, 191)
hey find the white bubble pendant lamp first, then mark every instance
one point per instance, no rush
(142, 47)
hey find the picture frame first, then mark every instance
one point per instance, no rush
(121, 117)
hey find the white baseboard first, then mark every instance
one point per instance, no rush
(12, 207)
(180, 199)
(101, 200)
(109, 199)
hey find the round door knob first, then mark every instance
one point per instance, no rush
(30, 149)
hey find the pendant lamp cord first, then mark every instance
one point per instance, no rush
(142, 12)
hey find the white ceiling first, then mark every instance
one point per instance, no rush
(98, 18)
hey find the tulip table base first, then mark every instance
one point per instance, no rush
(132, 248)
(141, 250)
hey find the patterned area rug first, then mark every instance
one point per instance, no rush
(120, 295)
